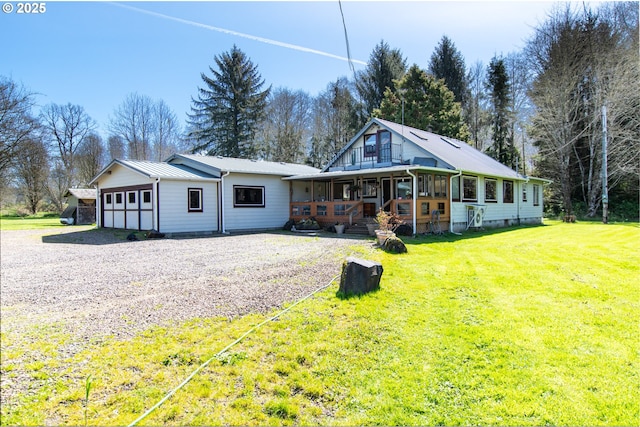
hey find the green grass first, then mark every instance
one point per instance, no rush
(30, 222)
(526, 326)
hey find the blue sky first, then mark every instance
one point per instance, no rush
(95, 53)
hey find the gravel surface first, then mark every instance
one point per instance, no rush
(96, 283)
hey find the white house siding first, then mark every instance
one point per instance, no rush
(499, 213)
(275, 212)
(174, 210)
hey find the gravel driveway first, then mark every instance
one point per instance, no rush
(96, 283)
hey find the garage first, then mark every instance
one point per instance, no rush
(130, 208)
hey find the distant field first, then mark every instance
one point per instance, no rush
(524, 326)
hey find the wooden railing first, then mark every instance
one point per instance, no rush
(348, 212)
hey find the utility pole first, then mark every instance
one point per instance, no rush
(605, 186)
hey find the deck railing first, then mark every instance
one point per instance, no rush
(355, 157)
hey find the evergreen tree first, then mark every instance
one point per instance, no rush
(226, 114)
(428, 105)
(385, 65)
(448, 63)
(499, 87)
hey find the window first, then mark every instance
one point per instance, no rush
(536, 195)
(118, 198)
(440, 186)
(131, 196)
(441, 208)
(248, 197)
(424, 182)
(455, 189)
(490, 190)
(195, 199)
(524, 192)
(108, 199)
(469, 188)
(146, 197)
(342, 190)
(384, 139)
(370, 145)
(507, 195)
(403, 188)
(424, 209)
(369, 188)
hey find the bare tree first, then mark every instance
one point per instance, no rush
(166, 135)
(90, 158)
(32, 171)
(67, 127)
(115, 147)
(16, 121)
(287, 126)
(476, 110)
(134, 122)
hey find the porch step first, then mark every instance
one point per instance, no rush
(360, 229)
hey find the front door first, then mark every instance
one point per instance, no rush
(386, 193)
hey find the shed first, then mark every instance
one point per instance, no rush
(81, 206)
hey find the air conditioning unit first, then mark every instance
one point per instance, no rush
(474, 216)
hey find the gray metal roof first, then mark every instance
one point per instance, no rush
(363, 172)
(157, 170)
(230, 164)
(457, 153)
(81, 193)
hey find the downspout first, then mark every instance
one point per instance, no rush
(224, 230)
(414, 195)
(157, 184)
(451, 202)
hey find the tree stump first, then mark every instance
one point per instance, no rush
(359, 276)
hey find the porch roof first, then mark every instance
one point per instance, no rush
(365, 172)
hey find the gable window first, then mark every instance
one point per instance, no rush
(384, 146)
(469, 188)
(370, 145)
(248, 196)
(195, 200)
(490, 190)
(507, 195)
(536, 195)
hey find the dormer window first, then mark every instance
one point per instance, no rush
(370, 145)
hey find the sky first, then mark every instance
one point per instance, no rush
(95, 53)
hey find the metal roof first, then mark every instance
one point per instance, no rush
(81, 193)
(260, 167)
(158, 170)
(457, 153)
(364, 172)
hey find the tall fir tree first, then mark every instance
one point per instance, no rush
(385, 65)
(447, 63)
(228, 110)
(428, 105)
(499, 87)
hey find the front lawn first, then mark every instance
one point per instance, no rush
(526, 326)
(30, 222)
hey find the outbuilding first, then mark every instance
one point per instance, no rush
(81, 206)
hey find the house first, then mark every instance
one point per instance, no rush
(195, 194)
(430, 181)
(81, 206)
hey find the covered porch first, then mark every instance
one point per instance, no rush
(418, 195)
